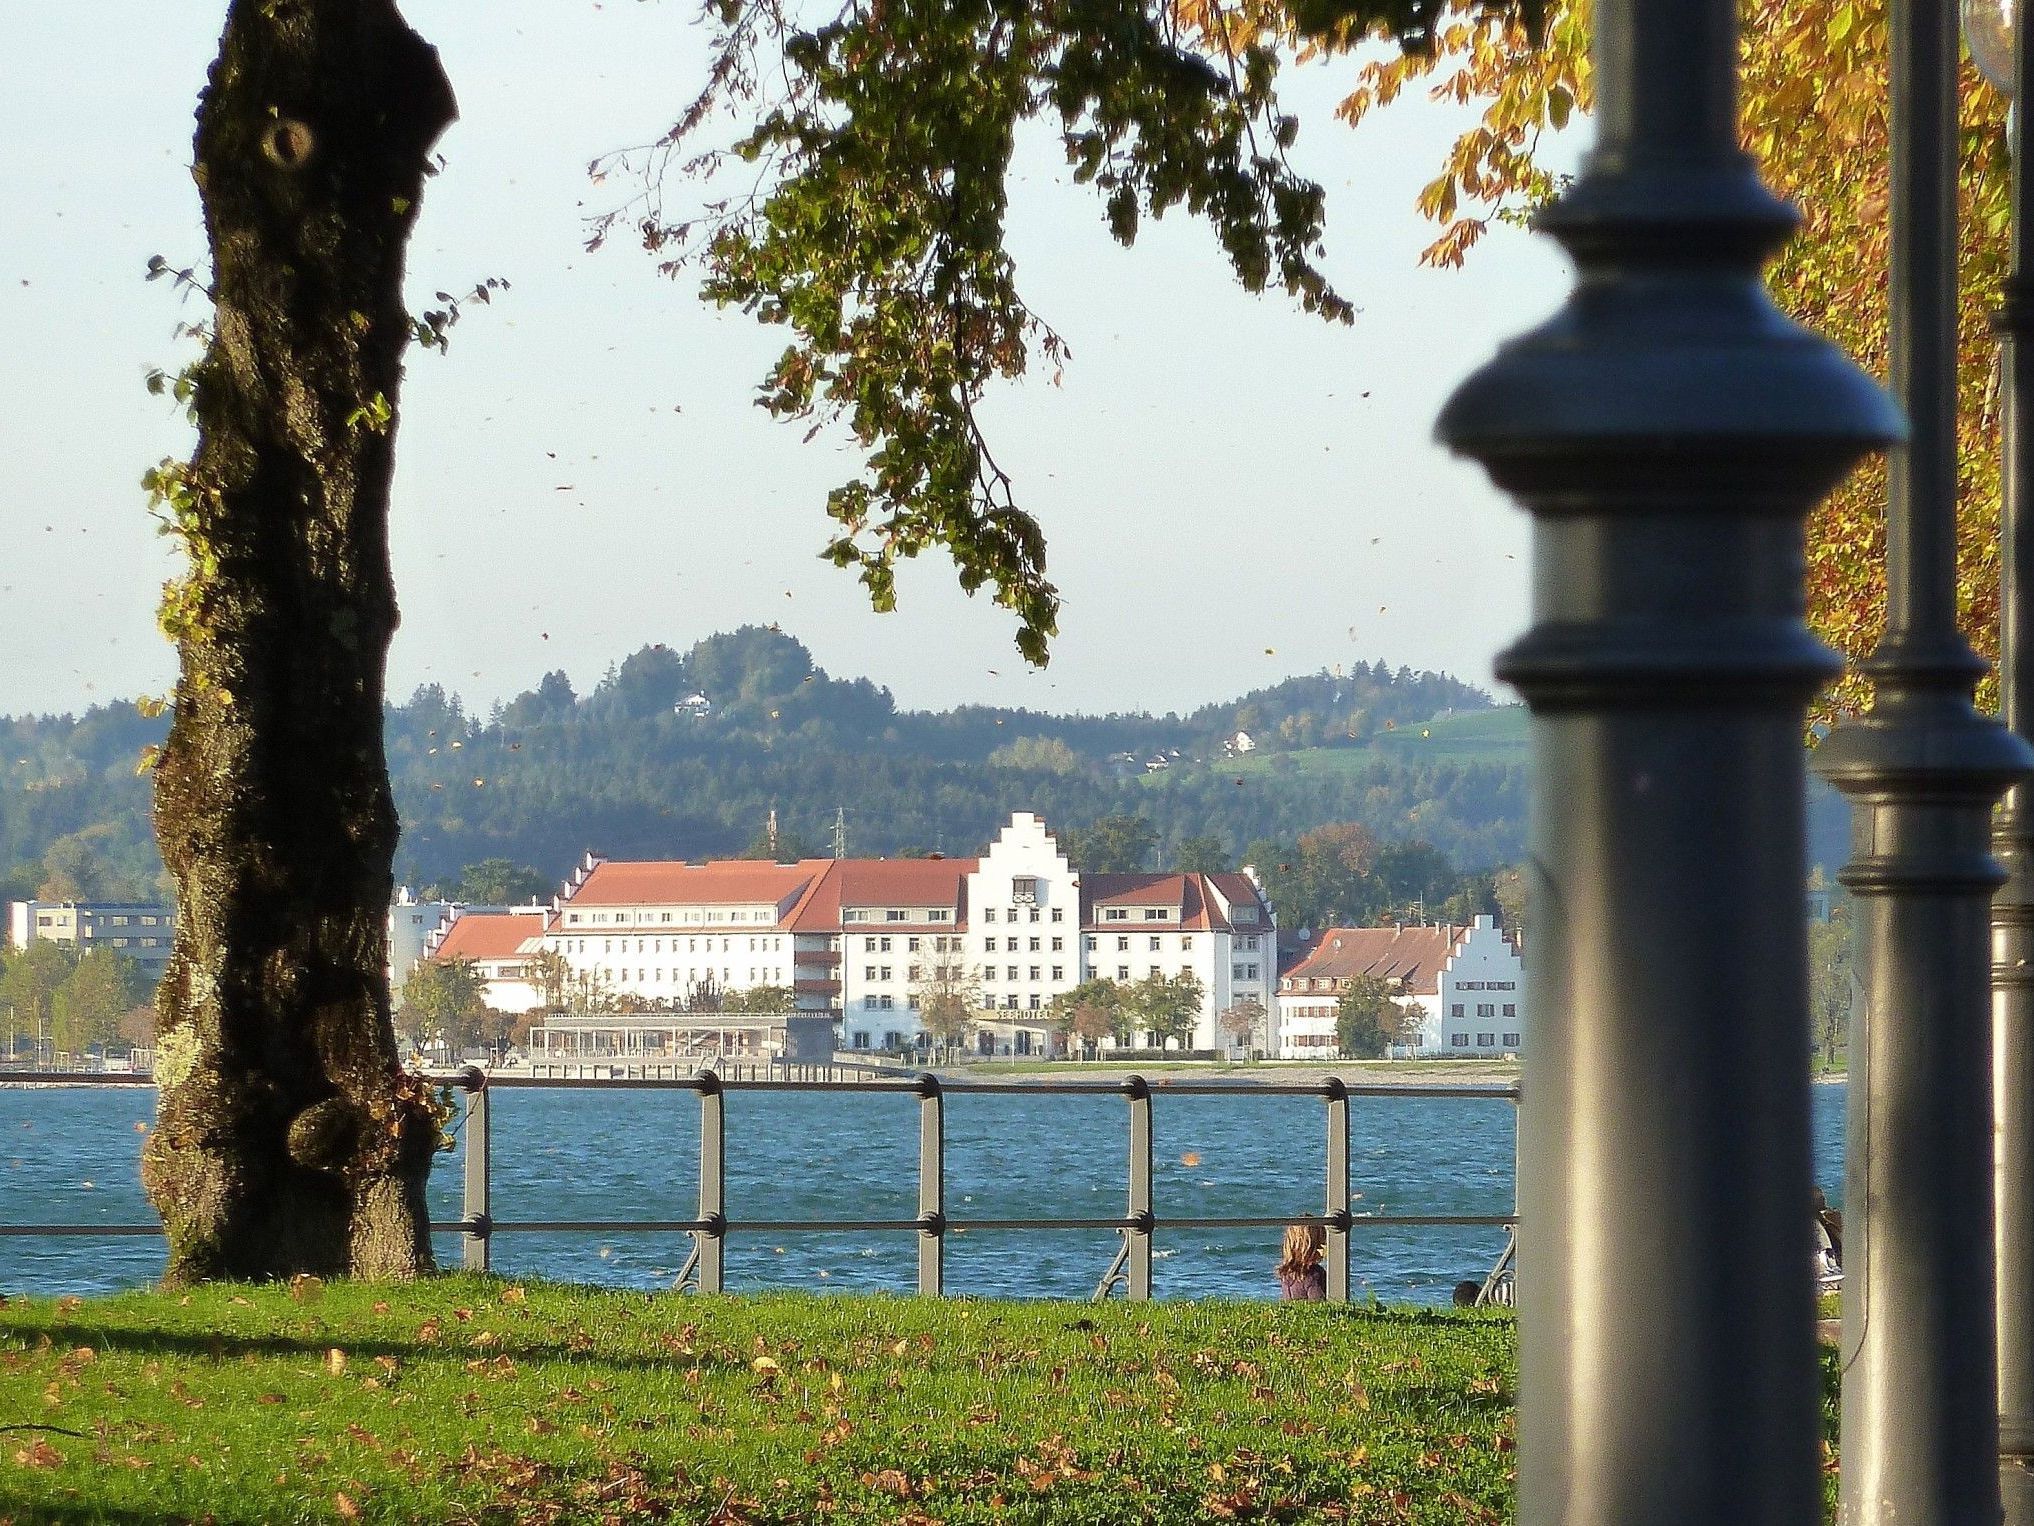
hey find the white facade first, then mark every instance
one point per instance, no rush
(1024, 922)
(411, 925)
(1480, 1008)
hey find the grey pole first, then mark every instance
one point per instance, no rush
(1923, 771)
(2013, 842)
(1668, 430)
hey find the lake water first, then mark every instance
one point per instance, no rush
(71, 1156)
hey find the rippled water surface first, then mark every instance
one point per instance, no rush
(70, 1156)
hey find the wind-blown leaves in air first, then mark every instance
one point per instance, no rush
(870, 221)
(1815, 118)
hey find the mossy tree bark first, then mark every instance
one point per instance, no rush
(287, 1138)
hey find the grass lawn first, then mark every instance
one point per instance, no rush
(474, 1399)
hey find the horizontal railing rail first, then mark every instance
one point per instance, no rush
(705, 1268)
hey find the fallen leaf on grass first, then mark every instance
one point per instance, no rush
(343, 1503)
(304, 1288)
(514, 1295)
(335, 1361)
(39, 1454)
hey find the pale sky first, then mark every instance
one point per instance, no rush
(585, 472)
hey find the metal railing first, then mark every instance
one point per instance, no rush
(705, 1269)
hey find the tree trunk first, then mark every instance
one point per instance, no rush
(287, 1137)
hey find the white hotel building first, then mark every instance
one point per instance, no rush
(860, 937)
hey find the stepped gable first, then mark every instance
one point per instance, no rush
(487, 935)
(1413, 955)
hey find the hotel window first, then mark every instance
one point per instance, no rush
(1034, 914)
(1122, 945)
(1486, 1041)
(896, 916)
(988, 913)
(916, 972)
(1034, 945)
(1511, 1041)
(1249, 972)
(988, 1001)
(1058, 915)
(1511, 1009)
(886, 973)
(1034, 1001)
(1010, 944)
(1091, 945)
(1010, 1002)
(910, 945)
(889, 1003)
(1154, 944)
(868, 945)
(1024, 887)
(868, 972)
(886, 945)
(1486, 1009)
(1186, 945)
(1459, 1040)
(989, 944)
(1115, 914)
(1058, 944)
(1013, 972)
(1059, 972)
(1235, 972)
(1455, 1010)
(1122, 972)
(1034, 972)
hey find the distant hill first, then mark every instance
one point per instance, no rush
(686, 753)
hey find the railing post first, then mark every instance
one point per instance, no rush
(1669, 432)
(477, 1208)
(1338, 1189)
(1137, 1269)
(712, 1240)
(931, 1187)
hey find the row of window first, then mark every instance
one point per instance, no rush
(1122, 914)
(656, 946)
(989, 972)
(912, 945)
(894, 914)
(1485, 1009)
(1010, 913)
(1484, 1041)
(1010, 945)
(709, 914)
(913, 973)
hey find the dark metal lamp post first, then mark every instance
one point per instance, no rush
(1668, 430)
(1999, 47)
(1923, 771)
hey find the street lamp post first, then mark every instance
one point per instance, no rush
(2001, 51)
(1668, 431)
(1923, 771)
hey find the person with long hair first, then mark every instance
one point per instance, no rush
(1301, 1277)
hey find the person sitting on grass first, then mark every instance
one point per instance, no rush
(1301, 1277)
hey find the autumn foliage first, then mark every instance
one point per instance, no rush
(1814, 113)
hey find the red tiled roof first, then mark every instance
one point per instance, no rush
(1413, 955)
(904, 881)
(487, 935)
(721, 882)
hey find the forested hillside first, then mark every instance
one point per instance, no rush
(686, 754)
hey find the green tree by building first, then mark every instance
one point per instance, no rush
(1369, 1020)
